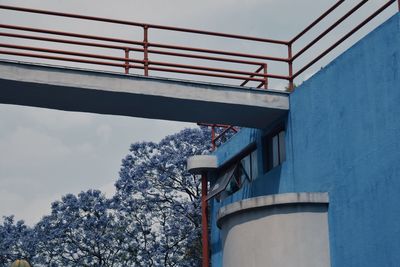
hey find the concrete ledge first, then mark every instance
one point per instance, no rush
(271, 200)
(83, 90)
(200, 163)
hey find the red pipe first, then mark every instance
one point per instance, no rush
(71, 53)
(166, 64)
(291, 83)
(333, 26)
(77, 35)
(146, 47)
(341, 40)
(315, 22)
(137, 24)
(182, 71)
(22, 54)
(204, 221)
(127, 61)
(266, 77)
(220, 52)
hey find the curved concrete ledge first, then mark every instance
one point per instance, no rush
(270, 200)
(200, 163)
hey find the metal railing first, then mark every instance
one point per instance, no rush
(147, 48)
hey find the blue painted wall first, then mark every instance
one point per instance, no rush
(343, 137)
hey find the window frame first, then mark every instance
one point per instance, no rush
(267, 143)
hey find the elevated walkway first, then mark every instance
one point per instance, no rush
(82, 90)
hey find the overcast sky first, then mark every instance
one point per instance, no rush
(45, 154)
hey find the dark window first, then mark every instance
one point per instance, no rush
(274, 149)
(231, 179)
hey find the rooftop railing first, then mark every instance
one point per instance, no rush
(144, 50)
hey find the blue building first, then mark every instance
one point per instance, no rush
(320, 186)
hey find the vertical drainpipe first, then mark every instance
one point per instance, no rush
(203, 165)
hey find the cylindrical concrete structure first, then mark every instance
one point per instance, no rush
(283, 230)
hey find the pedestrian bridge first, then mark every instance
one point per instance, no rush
(82, 90)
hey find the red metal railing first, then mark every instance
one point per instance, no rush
(148, 48)
(218, 132)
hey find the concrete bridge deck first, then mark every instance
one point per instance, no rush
(84, 90)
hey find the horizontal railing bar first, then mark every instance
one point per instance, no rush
(77, 35)
(315, 22)
(202, 73)
(124, 65)
(23, 36)
(71, 53)
(341, 40)
(333, 26)
(117, 59)
(220, 52)
(176, 47)
(278, 77)
(246, 81)
(204, 57)
(166, 64)
(61, 58)
(66, 41)
(138, 24)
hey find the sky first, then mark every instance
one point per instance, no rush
(45, 154)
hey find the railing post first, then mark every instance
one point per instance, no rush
(126, 61)
(213, 142)
(291, 84)
(145, 48)
(265, 76)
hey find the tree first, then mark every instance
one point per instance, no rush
(17, 241)
(156, 193)
(81, 231)
(153, 219)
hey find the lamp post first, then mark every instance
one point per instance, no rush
(202, 165)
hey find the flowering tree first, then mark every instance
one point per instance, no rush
(17, 241)
(153, 219)
(82, 231)
(156, 193)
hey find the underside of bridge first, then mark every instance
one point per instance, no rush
(84, 90)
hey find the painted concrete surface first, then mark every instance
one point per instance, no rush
(138, 96)
(201, 164)
(281, 235)
(268, 201)
(342, 138)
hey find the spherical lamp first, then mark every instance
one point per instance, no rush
(20, 263)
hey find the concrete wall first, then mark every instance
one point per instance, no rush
(342, 137)
(282, 230)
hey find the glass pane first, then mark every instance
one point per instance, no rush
(246, 163)
(222, 182)
(275, 151)
(282, 147)
(254, 165)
